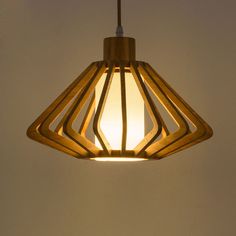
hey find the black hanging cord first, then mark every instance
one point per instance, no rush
(119, 29)
(119, 12)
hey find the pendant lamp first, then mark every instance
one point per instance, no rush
(119, 109)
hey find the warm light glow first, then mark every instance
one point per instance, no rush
(125, 159)
(111, 121)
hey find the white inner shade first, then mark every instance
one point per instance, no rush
(111, 121)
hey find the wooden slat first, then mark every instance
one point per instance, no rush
(88, 116)
(203, 130)
(98, 115)
(124, 108)
(40, 131)
(76, 109)
(157, 126)
(183, 127)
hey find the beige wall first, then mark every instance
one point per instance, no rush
(44, 46)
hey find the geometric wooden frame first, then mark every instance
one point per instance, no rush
(75, 143)
(55, 126)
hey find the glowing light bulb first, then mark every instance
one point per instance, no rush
(111, 121)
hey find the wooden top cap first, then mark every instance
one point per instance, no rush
(119, 49)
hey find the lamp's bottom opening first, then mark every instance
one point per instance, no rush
(118, 159)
